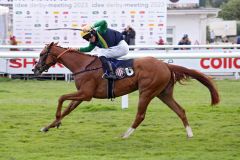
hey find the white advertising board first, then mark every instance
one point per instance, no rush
(207, 65)
(32, 18)
(223, 65)
(4, 2)
(25, 66)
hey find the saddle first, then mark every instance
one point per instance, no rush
(122, 69)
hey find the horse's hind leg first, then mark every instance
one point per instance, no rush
(56, 123)
(142, 107)
(167, 98)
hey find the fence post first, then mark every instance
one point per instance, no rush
(125, 101)
(236, 75)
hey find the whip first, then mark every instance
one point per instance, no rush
(78, 29)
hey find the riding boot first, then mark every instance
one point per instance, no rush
(108, 67)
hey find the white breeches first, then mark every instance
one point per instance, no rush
(116, 51)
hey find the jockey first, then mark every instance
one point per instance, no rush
(109, 41)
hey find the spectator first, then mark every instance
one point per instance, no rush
(129, 35)
(13, 41)
(125, 36)
(238, 40)
(212, 37)
(184, 41)
(160, 41)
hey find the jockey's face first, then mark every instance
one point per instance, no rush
(92, 39)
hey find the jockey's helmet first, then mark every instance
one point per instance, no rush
(87, 35)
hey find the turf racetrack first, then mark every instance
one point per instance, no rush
(92, 131)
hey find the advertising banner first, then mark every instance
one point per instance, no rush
(207, 65)
(25, 66)
(6, 2)
(32, 18)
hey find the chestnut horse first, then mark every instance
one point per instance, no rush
(153, 78)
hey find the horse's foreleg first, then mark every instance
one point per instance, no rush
(70, 108)
(142, 107)
(76, 98)
(56, 123)
(171, 103)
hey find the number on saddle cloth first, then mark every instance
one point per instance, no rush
(122, 68)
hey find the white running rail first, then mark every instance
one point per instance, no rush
(160, 52)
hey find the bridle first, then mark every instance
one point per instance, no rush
(44, 67)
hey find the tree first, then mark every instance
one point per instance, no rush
(211, 3)
(217, 3)
(230, 10)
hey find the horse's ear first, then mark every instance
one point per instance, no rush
(55, 44)
(51, 44)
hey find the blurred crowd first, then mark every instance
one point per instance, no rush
(129, 35)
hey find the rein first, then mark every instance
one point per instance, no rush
(62, 53)
(55, 58)
(86, 68)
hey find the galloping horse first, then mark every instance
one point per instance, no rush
(153, 78)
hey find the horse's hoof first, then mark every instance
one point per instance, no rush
(189, 137)
(124, 137)
(44, 129)
(128, 133)
(189, 132)
(58, 124)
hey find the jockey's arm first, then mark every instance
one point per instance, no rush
(101, 26)
(89, 48)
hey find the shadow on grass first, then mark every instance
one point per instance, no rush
(98, 107)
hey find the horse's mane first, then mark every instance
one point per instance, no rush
(76, 51)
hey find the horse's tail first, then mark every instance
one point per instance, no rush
(181, 73)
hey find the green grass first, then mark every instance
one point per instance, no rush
(92, 131)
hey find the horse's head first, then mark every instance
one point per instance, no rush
(46, 60)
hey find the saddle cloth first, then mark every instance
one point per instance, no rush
(122, 68)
